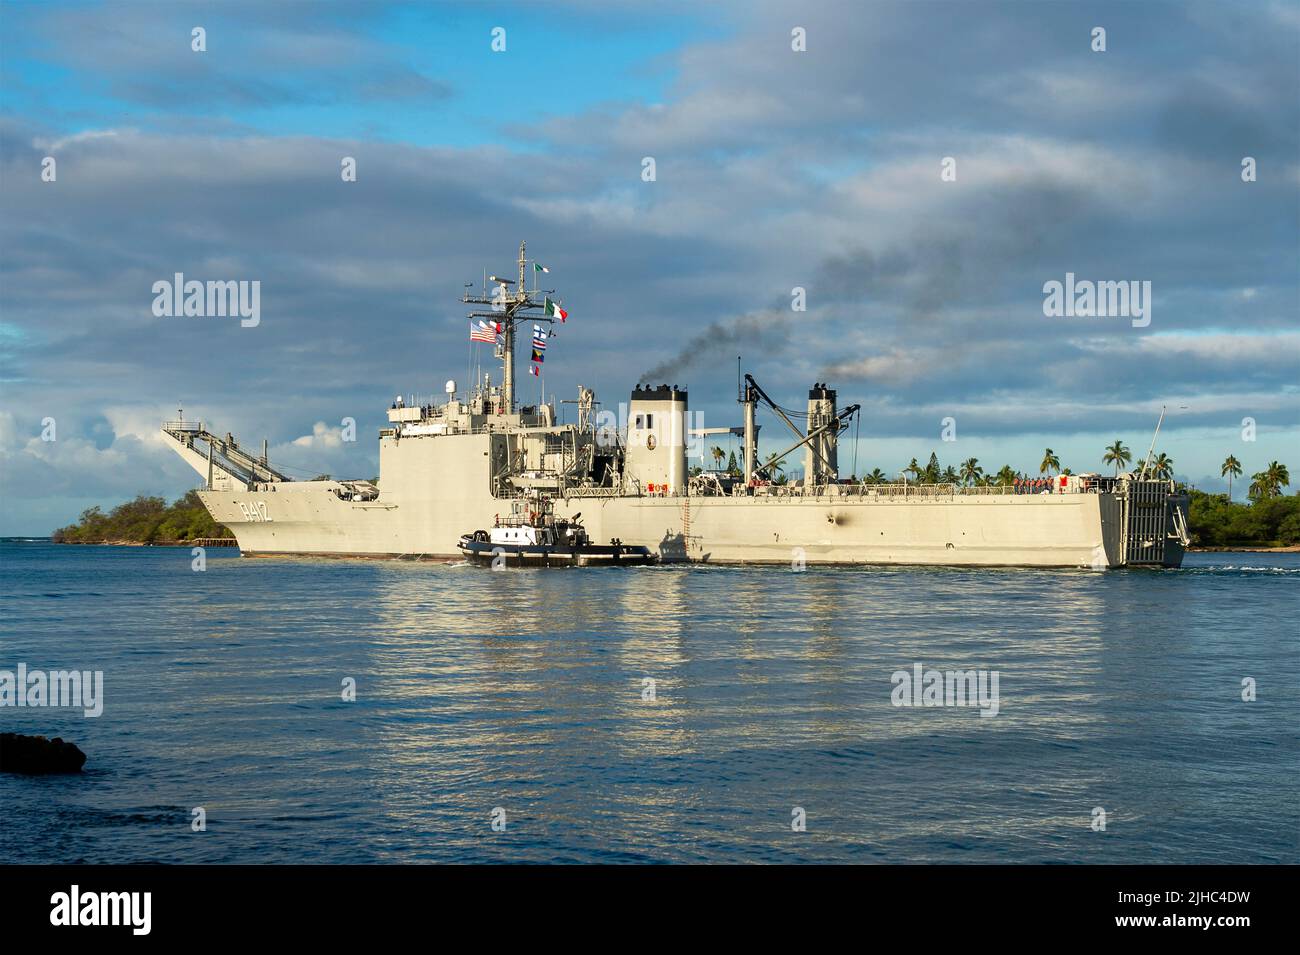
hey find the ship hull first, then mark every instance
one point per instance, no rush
(309, 519)
(432, 488)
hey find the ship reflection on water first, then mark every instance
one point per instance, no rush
(667, 713)
(771, 689)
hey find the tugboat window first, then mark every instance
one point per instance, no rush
(640, 421)
(649, 421)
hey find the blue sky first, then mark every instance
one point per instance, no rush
(413, 73)
(775, 169)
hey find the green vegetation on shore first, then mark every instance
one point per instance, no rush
(1214, 521)
(146, 520)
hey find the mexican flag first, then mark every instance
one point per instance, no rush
(554, 311)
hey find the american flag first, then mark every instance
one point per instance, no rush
(484, 334)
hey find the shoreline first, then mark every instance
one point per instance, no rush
(1284, 549)
(196, 542)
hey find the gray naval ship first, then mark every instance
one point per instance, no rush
(448, 469)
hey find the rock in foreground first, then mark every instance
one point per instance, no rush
(37, 755)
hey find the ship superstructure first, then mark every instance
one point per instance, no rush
(465, 462)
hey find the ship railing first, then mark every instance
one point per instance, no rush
(908, 490)
(592, 492)
(948, 490)
(193, 426)
(830, 492)
(880, 491)
(452, 430)
(886, 491)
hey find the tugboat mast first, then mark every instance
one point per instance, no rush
(508, 309)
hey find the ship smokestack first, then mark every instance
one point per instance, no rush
(656, 439)
(821, 459)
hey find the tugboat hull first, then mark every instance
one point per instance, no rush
(542, 555)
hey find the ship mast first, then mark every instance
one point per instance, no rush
(510, 308)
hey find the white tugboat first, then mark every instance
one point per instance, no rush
(532, 536)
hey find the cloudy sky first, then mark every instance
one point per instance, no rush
(774, 169)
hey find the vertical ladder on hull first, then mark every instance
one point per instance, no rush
(686, 522)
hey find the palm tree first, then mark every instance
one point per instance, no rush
(1278, 476)
(1231, 469)
(772, 466)
(718, 455)
(1117, 455)
(1269, 482)
(1007, 476)
(950, 475)
(1050, 463)
(971, 471)
(1162, 466)
(877, 476)
(1258, 486)
(913, 469)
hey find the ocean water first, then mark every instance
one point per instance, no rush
(523, 691)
